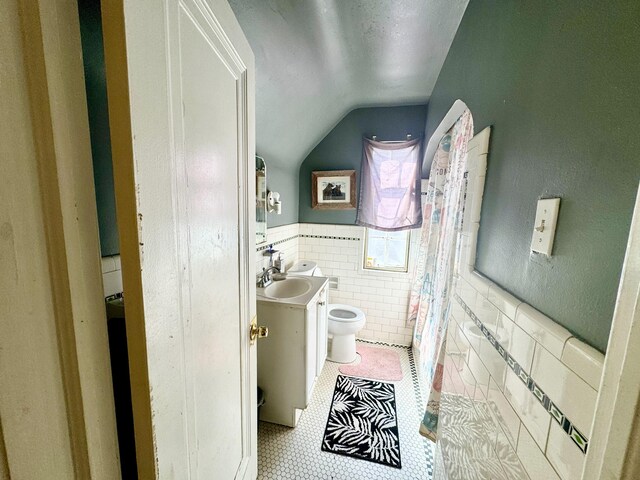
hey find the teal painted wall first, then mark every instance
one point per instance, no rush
(96, 87)
(341, 149)
(558, 81)
(283, 180)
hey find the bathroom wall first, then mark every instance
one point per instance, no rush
(556, 82)
(283, 238)
(383, 296)
(111, 275)
(519, 390)
(337, 249)
(96, 88)
(341, 149)
(285, 182)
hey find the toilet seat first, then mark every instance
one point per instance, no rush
(344, 322)
(345, 313)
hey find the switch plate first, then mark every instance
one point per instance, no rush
(545, 225)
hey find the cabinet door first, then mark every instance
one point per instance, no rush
(323, 324)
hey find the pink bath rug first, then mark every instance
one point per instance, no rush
(376, 363)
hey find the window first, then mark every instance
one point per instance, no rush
(387, 251)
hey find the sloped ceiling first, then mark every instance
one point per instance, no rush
(316, 60)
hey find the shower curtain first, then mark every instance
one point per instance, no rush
(431, 287)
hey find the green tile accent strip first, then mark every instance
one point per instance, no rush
(578, 438)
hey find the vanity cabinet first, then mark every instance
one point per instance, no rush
(292, 356)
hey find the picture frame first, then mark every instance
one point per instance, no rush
(333, 190)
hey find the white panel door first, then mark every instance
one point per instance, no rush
(183, 157)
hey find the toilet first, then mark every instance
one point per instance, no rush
(344, 320)
(305, 268)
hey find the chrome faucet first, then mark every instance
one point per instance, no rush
(264, 279)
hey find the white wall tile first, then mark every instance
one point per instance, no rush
(472, 334)
(478, 370)
(509, 459)
(477, 185)
(112, 282)
(584, 360)
(516, 341)
(564, 388)
(467, 293)
(531, 412)
(504, 301)
(534, 461)
(563, 454)
(542, 329)
(108, 264)
(383, 296)
(505, 415)
(456, 311)
(487, 313)
(492, 360)
(480, 283)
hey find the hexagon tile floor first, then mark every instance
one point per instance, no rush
(294, 453)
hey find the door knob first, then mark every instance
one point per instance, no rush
(257, 331)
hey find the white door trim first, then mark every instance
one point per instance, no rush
(443, 127)
(610, 454)
(56, 403)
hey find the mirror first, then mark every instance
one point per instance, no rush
(261, 201)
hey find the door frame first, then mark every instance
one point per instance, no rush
(613, 449)
(58, 377)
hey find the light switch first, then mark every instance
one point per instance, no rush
(545, 225)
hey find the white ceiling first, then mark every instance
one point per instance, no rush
(316, 60)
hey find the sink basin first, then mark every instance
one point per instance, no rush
(288, 288)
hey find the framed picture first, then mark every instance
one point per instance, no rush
(333, 190)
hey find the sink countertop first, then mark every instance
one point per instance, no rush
(301, 301)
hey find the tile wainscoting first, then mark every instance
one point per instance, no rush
(382, 296)
(337, 249)
(111, 275)
(528, 386)
(284, 239)
(531, 387)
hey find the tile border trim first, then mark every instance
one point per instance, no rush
(327, 237)
(552, 409)
(330, 237)
(277, 242)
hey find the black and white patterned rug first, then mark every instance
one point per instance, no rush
(363, 422)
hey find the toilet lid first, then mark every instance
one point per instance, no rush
(345, 313)
(303, 267)
(342, 313)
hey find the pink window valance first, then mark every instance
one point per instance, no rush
(390, 185)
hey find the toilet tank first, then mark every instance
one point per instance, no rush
(305, 268)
